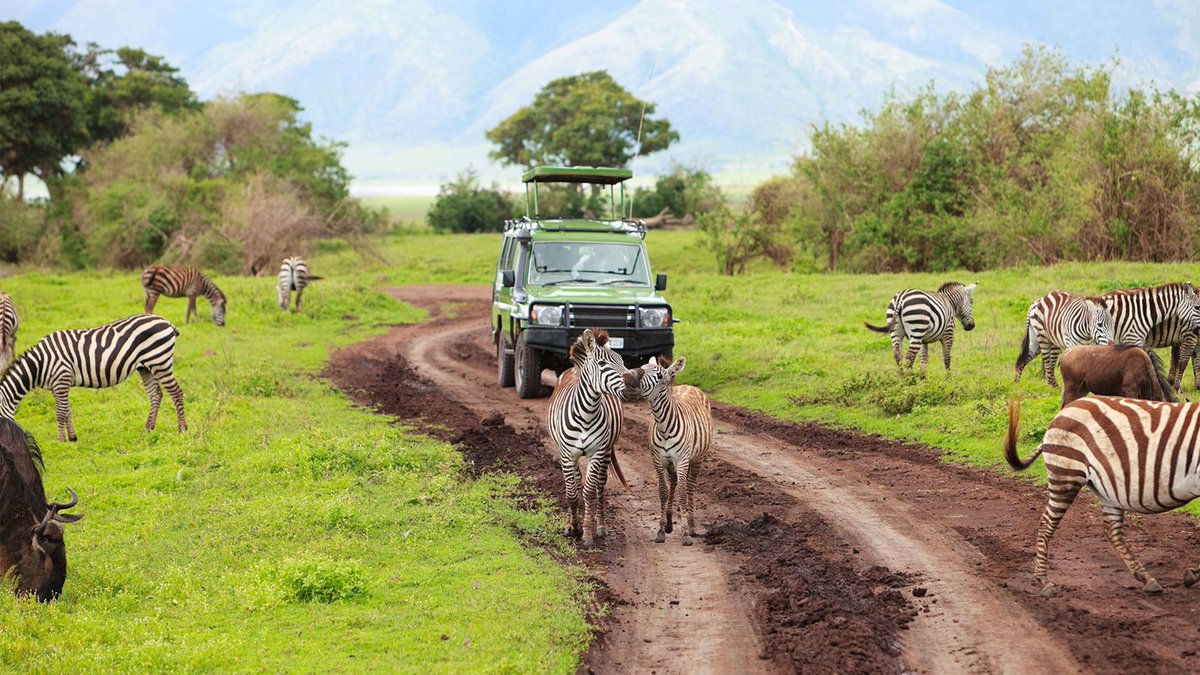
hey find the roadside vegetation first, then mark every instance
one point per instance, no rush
(287, 528)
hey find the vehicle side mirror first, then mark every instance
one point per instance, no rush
(508, 278)
(660, 282)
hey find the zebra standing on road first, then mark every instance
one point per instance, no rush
(177, 282)
(8, 331)
(1058, 321)
(97, 358)
(584, 419)
(680, 436)
(925, 318)
(293, 276)
(1160, 316)
(1135, 455)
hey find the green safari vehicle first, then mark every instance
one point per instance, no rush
(558, 275)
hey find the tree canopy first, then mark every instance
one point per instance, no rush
(124, 81)
(582, 120)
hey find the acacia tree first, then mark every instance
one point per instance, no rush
(42, 114)
(582, 120)
(125, 81)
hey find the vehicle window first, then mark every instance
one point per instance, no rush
(587, 263)
(506, 254)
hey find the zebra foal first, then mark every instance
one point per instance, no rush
(924, 318)
(8, 331)
(584, 420)
(293, 276)
(1135, 455)
(1058, 321)
(97, 358)
(680, 437)
(178, 282)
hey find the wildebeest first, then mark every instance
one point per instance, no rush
(1114, 370)
(31, 530)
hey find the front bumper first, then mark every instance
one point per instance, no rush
(639, 342)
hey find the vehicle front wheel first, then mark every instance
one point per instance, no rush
(529, 370)
(504, 368)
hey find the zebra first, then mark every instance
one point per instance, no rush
(293, 276)
(1159, 316)
(680, 437)
(924, 318)
(8, 331)
(1135, 455)
(1058, 321)
(97, 358)
(584, 420)
(177, 282)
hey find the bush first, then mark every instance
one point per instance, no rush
(739, 238)
(321, 581)
(462, 205)
(22, 229)
(685, 191)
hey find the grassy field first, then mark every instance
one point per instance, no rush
(408, 209)
(287, 529)
(793, 345)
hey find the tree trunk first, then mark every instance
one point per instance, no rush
(21, 187)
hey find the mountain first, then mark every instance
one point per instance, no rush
(413, 84)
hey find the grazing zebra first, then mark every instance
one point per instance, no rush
(1160, 316)
(8, 331)
(177, 282)
(1135, 455)
(1058, 321)
(293, 276)
(97, 358)
(927, 317)
(584, 419)
(680, 436)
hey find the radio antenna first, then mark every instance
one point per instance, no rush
(638, 145)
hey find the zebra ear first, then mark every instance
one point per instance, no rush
(587, 341)
(677, 367)
(971, 288)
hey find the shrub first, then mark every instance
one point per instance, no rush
(321, 581)
(462, 205)
(685, 191)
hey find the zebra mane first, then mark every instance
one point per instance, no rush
(601, 337)
(948, 285)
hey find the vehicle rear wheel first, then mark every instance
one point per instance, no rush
(504, 368)
(529, 370)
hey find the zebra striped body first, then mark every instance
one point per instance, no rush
(97, 358)
(1058, 321)
(1160, 316)
(923, 318)
(8, 331)
(178, 282)
(1135, 455)
(584, 420)
(293, 276)
(680, 437)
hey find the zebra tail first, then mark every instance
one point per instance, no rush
(1010, 446)
(1167, 392)
(881, 329)
(314, 278)
(1025, 356)
(617, 470)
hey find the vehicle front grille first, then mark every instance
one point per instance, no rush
(601, 316)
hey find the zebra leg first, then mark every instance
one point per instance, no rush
(914, 348)
(591, 498)
(168, 382)
(685, 512)
(924, 359)
(601, 483)
(1049, 361)
(285, 298)
(299, 292)
(570, 471)
(664, 499)
(896, 351)
(1062, 494)
(154, 392)
(62, 411)
(1114, 529)
(673, 481)
(191, 310)
(947, 343)
(151, 300)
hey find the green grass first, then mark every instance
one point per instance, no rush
(287, 529)
(408, 209)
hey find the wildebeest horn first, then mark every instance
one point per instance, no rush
(55, 506)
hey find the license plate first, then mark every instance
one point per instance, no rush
(616, 342)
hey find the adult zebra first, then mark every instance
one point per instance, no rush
(1159, 316)
(680, 437)
(1135, 455)
(8, 331)
(584, 420)
(924, 318)
(1058, 321)
(97, 358)
(178, 282)
(293, 276)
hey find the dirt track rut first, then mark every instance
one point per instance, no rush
(820, 540)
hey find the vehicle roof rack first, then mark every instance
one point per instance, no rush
(576, 174)
(637, 227)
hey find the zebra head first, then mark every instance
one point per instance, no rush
(960, 298)
(597, 364)
(218, 308)
(655, 379)
(1103, 327)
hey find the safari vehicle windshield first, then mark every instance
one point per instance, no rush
(591, 263)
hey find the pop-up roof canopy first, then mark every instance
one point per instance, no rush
(576, 174)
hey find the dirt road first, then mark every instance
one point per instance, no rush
(826, 551)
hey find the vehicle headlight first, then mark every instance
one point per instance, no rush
(546, 315)
(655, 317)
